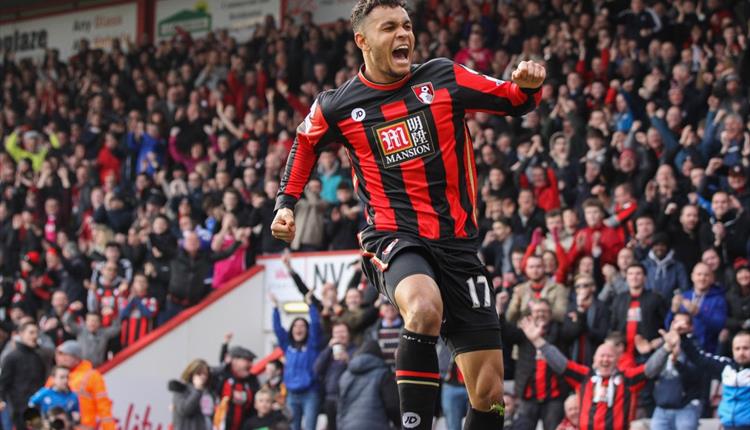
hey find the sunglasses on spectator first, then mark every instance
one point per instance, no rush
(584, 285)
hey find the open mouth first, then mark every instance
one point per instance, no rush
(401, 53)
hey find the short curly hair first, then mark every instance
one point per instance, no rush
(364, 7)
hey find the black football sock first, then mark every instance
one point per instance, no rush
(491, 420)
(418, 378)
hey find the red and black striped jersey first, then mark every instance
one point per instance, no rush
(411, 154)
(543, 384)
(605, 403)
(138, 315)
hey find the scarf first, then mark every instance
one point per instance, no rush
(598, 381)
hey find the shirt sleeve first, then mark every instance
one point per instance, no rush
(575, 374)
(482, 93)
(312, 136)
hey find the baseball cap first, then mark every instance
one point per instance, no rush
(32, 257)
(240, 352)
(70, 347)
(741, 263)
(737, 170)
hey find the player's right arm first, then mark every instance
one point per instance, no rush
(312, 135)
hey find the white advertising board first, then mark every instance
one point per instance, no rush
(198, 17)
(30, 38)
(315, 269)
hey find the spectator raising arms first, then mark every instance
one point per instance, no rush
(605, 393)
(301, 345)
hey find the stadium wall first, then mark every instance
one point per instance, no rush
(137, 377)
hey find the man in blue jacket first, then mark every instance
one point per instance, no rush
(706, 304)
(734, 409)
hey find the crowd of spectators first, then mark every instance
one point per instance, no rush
(134, 181)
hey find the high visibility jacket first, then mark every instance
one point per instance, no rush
(94, 403)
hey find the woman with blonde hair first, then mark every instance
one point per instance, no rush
(193, 403)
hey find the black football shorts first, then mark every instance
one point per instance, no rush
(470, 321)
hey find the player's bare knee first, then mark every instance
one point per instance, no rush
(487, 392)
(424, 317)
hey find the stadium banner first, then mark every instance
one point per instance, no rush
(315, 269)
(324, 11)
(100, 26)
(199, 17)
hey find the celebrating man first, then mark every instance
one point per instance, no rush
(413, 167)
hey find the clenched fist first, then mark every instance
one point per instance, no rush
(529, 74)
(283, 227)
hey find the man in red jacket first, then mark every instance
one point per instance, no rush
(596, 239)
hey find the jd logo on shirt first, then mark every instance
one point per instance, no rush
(411, 420)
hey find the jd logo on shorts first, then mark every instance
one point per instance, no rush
(410, 420)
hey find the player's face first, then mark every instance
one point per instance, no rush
(387, 42)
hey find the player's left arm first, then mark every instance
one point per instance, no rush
(478, 92)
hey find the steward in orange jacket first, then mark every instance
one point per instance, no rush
(88, 384)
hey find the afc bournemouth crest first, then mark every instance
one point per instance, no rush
(424, 92)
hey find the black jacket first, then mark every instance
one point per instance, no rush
(24, 371)
(686, 246)
(189, 274)
(342, 234)
(587, 332)
(653, 311)
(329, 370)
(738, 313)
(737, 227)
(265, 243)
